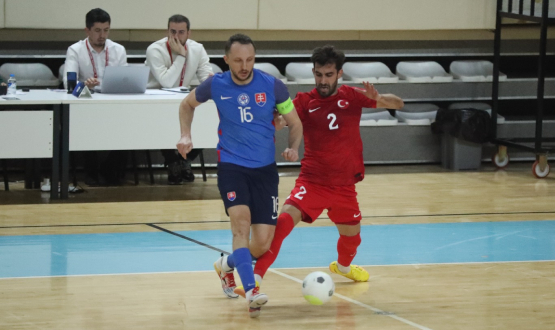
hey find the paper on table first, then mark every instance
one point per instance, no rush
(158, 92)
(177, 89)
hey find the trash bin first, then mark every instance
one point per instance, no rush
(463, 133)
(458, 154)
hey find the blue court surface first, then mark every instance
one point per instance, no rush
(153, 252)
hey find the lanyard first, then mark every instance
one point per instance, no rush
(171, 58)
(92, 58)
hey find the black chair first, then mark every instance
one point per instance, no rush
(135, 170)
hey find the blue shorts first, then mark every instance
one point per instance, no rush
(255, 187)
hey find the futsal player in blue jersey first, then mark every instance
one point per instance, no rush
(246, 99)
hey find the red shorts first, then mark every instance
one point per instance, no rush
(312, 199)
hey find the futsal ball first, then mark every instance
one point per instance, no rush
(318, 287)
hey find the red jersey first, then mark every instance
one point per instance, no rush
(332, 142)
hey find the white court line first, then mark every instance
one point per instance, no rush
(358, 303)
(439, 263)
(210, 271)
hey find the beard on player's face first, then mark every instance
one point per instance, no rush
(242, 75)
(326, 90)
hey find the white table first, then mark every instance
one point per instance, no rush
(130, 122)
(30, 128)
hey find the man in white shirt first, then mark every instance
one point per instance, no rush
(174, 61)
(89, 57)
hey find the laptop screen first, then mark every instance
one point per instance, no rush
(125, 79)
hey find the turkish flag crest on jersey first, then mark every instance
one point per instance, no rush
(231, 195)
(260, 99)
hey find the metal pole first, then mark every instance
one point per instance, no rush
(541, 74)
(496, 64)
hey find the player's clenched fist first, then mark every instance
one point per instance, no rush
(184, 146)
(291, 155)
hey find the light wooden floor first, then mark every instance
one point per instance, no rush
(513, 295)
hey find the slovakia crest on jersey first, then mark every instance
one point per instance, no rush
(260, 99)
(243, 99)
(231, 196)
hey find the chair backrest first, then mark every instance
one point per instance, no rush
(417, 113)
(61, 72)
(373, 72)
(301, 73)
(474, 71)
(422, 71)
(215, 69)
(30, 74)
(270, 69)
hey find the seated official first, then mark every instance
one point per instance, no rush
(89, 58)
(174, 61)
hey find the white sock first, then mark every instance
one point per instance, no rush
(225, 266)
(248, 294)
(258, 279)
(343, 269)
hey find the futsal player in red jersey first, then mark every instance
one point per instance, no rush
(332, 163)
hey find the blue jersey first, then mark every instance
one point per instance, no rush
(246, 129)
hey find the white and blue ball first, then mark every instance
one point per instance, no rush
(318, 288)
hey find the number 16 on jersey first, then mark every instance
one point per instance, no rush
(245, 115)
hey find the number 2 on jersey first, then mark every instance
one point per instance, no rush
(300, 194)
(333, 118)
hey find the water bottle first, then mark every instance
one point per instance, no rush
(12, 85)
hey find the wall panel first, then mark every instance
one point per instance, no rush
(1, 14)
(135, 14)
(376, 14)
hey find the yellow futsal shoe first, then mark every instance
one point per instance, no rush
(357, 273)
(239, 290)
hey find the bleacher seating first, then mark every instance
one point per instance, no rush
(29, 74)
(417, 114)
(270, 69)
(215, 69)
(474, 71)
(372, 72)
(422, 72)
(377, 117)
(301, 73)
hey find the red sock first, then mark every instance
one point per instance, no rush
(284, 226)
(347, 248)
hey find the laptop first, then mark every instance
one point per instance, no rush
(124, 80)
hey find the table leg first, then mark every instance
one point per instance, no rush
(55, 177)
(64, 151)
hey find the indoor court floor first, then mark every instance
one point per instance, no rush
(445, 250)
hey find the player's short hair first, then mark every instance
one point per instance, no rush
(328, 55)
(179, 19)
(240, 38)
(96, 15)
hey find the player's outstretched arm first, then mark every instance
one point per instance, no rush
(279, 121)
(186, 113)
(295, 136)
(388, 101)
